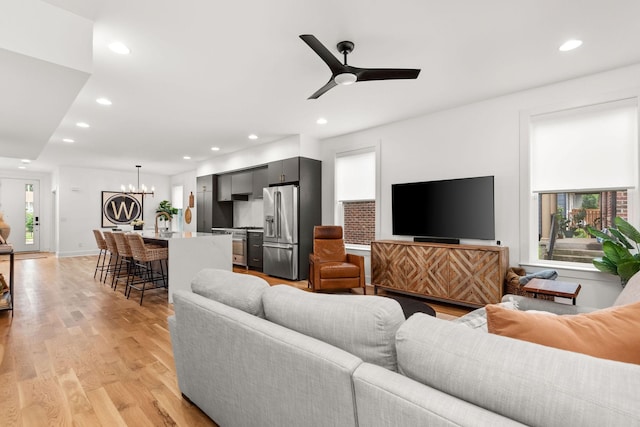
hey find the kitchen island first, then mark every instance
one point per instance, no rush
(190, 252)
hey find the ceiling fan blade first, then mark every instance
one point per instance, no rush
(331, 83)
(365, 74)
(334, 64)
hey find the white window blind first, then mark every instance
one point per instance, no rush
(586, 148)
(356, 176)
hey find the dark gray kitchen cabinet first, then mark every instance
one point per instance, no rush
(254, 250)
(260, 180)
(242, 183)
(284, 171)
(204, 203)
(224, 188)
(209, 212)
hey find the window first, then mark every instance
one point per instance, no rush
(564, 219)
(583, 165)
(28, 214)
(355, 186)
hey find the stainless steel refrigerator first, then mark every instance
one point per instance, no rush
(280, 244)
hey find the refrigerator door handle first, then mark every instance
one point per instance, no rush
(278, 202)
(277, 245)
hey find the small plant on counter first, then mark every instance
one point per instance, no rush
(165, 206)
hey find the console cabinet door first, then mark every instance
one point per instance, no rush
(388, 266)
(427, 270)
(476, 276)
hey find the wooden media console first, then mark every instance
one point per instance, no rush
(468, 275)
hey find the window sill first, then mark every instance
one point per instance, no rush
(365, 248)
(570, 270)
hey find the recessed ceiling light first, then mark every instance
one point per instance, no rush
(321, 121)
(253, 136)
(103, 101)
(187, 157)
(69, 140)
(25, 161)
(215, 148)
(82, 125)
(22, 167)
(120, 48)
(570, 45)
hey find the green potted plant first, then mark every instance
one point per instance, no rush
(618, 258)
(165, 206)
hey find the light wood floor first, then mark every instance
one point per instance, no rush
(77, 353)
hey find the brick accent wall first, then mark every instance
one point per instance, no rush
(612, 207)
(359, 222)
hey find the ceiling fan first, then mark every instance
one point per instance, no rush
(343, 74)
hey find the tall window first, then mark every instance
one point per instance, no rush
(28, 214)
(582, 162)
(355, 186)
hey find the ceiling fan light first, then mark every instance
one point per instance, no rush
(345, 79)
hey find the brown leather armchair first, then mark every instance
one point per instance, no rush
(330, 266)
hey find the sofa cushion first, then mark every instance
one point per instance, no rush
(630, 293)
(530, 383)
(241, 291)
(362, 325)
(477, 319)
(610, 333)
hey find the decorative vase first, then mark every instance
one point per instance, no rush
(5, 229)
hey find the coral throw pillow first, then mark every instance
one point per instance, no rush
(611, 333)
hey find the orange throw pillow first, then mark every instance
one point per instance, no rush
(612, 333)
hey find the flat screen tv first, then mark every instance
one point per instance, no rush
(453, 208)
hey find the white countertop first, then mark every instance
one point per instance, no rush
(150, 234)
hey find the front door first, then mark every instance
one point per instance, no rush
(20, 204)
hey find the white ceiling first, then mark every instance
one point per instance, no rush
(207, 73)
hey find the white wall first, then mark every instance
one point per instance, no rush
(292, 146)
(188, 182)
(79, 193)
(474, 140)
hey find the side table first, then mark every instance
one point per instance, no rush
(8, 250)
(554, 288)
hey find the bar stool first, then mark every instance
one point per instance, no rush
(102, 255)
(114, 257)
(126, 260)
(144, 256)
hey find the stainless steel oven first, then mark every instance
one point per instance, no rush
(239, 245)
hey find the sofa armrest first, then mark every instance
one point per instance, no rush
(526, 303)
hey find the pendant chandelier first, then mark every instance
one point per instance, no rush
(139, 189)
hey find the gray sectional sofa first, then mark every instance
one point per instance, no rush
(250, 355)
